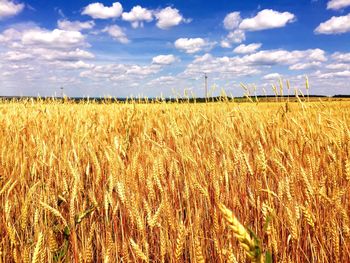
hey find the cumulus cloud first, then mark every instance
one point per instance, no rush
(59, 55)
(273, 57)
(106, 71)
(261, 62)
(232, 20)
(40, 57)
(16, 56)
(307, 65)
(332, 75)
(99, 11)
(137, 16)
(35, 38)
(38, 43)
(272, 76)
(10, 35)
(236, 36)
(315, 55)
(192, 45)
(9, 8)
(335, 25)
(121, 72)
(142, 70)
(338, 4)
(267, 19)
(53, 39)
(169, 17)
(245, 49)
(226, 66)
(269, 57)
(338, 66)
(341, 57)
(163, 80)
(166, 18)
(164, 59)
(117, 33)
(225, 43)
(75, 25)
(77, 65)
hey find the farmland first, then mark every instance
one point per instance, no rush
(174, 182)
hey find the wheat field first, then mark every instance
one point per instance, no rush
(174, 182)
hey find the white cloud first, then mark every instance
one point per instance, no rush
(273, 57)
(332, 75)
(338, 66)
(316, 55)
(43, 44)
(106, 71)
(35, 55)
(121, 72)
(232, 20)
(55, 39)
(142, 70)
(272, 76)
(71, 55)
(236, 36)
(16, 56)
(245, 49)
(169, 17)
(99, 11)
(9, 8)
(75, 25)
(117, 33)
(74, 65)
(341, 57)
(335, 25)
(18, 66)
(262, 62)
(231, 23)
(164, 59)
(267, 19)
(10, 35)
(37, 58)
(229, 67)
(338, 4)
(269, 57)
(307, 65)
(225, 44)
(162, 81)
(137, 16)
(192, 45)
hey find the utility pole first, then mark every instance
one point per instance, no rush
(62, 94)
(206, 86)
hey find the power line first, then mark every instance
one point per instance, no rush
(205, 82)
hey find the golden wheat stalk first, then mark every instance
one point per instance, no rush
(38, 248)
(247, 243)
(138, 251)
(54, 212)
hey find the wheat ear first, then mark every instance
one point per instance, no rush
(250, 246)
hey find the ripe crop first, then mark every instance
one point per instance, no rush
(174, 182)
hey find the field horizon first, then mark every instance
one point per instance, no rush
(191, 99)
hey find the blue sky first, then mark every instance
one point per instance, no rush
(151, 48)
